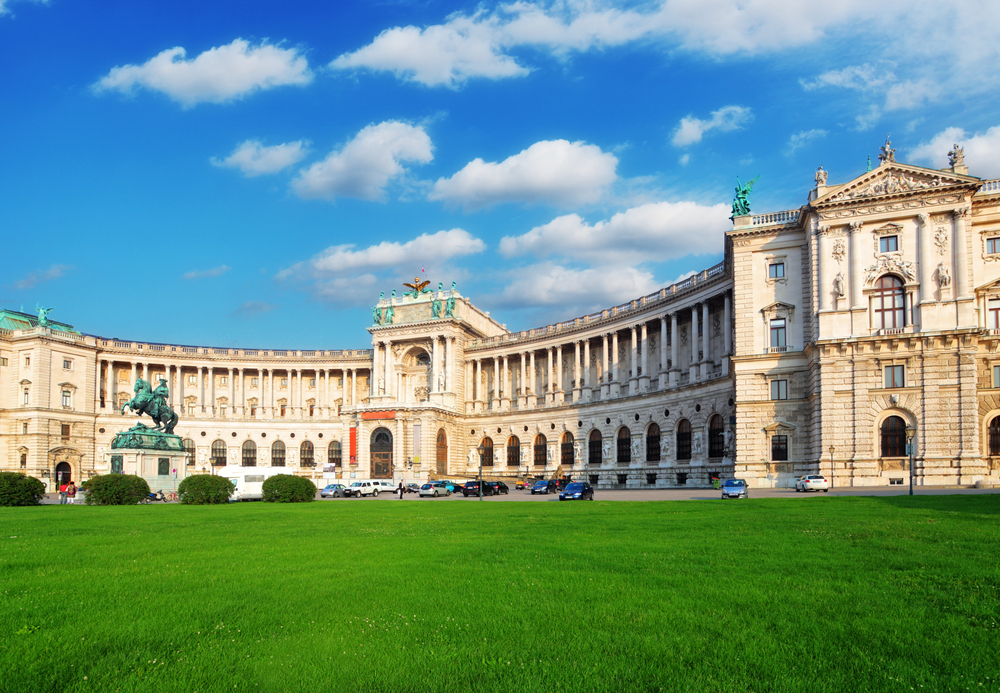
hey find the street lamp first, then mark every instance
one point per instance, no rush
(482, 451)
(910, 431)
(832, 448)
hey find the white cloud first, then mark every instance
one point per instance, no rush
(982, 150)
(684, 160)
(218, 75)
(254, 159)
(32, 279)
(204, 274)
(864, 77)
(365, 165)
(4, 5)
(800, 139)
(555, 172)
(728, 118)
(346, 274)
(575, 291)
(652, 232)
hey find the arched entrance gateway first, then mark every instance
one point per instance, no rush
(381, 453)
(442, 452)
(64, 474)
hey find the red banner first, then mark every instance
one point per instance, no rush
(369, 415)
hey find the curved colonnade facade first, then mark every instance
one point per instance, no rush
(827, 337)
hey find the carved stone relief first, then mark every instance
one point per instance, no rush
(839, 250)
(941, 240)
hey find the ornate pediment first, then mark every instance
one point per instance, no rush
(779, 427)
(893, 178)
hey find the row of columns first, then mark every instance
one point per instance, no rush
(235, 390)
(610, 382)
(390, 383)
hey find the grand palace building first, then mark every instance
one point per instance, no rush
(828, 337)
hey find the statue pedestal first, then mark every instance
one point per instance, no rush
(157, 457)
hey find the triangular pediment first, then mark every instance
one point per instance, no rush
(779, 427)
(894, 179)
(777, 305)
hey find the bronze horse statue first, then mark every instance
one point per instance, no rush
(153, 403)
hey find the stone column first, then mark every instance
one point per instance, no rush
(693, 370)
(479, 385)
(605, 381)
(547, 381)
(585, 373)
(961, 272)
(925, 258)
(434, 364)
(706, 347)
(662, 374)
(180, 388)
(644, 359)
(211, 391)
(450, 371)
(349, 379)
(533, 396)
(558, 394)
(522, 399)
(131, 382)
(388, 367)
(200, 404)
(495, 399)
(240, 393)
(373, 380)
(727, 333)
(616, 389)
(857, 266)
(822, 273)
(674, 350)
(576, 370)
(145, 374)
(633, 362)
(505, 379)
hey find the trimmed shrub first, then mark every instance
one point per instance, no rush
(285, 488)
(19, 489)
(205, 489)
(115, 489)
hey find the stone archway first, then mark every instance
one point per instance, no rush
(442, 452)
(65, 463)
(380, 449)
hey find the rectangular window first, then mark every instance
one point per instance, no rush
(778, 332)
(66, 398)
(253, 411)
(67, 364)
(65, 431)
(779, 389)
(25, 396)
(224, 380)
(992, 246)
(993, 313)
(192, 380)
(894, 376)
(222, 411)
(682, 478)
(312, 409)
(284, 382)
(27, 361)
(340, 381)
(312, 382)
(24, 428)
(282, 410)
(3, 362)
(996, 376)
(779, 448)
(253, 382)
(888, 244)
(776, 270)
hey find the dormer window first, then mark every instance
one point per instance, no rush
(776, 270)
(888, 244)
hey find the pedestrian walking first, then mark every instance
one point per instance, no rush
(400, 490)
(71, 493)
(63, 487)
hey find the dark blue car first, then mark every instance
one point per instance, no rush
(578, 490)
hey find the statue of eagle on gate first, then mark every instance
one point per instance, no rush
(417, 287)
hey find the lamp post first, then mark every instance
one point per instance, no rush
(482, 451)
(910, 431)
(832, 449)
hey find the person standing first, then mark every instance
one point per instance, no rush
(62, 493)
(400, 490)
(71, 493)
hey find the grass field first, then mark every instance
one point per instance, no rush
(818, 594)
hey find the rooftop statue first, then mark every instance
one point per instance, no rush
(449, 308)
(886, 152)
(436, 308)
(820, 176)
(390, 314)
(154, 404)
(43, 315)
(741, 203)
(956, 157)
(417, 287)
(376, 315)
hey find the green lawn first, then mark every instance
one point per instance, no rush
(814, 594)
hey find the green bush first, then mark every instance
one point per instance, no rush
(205, 489)
(115, 489)
(285, 488)
(18, 489)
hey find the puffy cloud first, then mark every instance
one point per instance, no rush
(726, 119)
(35, 278)
(4, 9)
(575, 291)
(218, 75)
(347, 275)
(799, 139)
(254, 159)
(204, 274)
(652, 232)
(864, 77)
(982, 150)
(365, 165)
(555, 172)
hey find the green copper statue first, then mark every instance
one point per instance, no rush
(390, 314)
(436, 308)
(43, 315)
(449, 308)
(376, 315)
(154, 404)
(741, 203)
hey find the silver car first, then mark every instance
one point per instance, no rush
(735, 488)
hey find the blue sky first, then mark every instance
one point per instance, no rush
(254, 174)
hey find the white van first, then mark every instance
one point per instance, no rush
(249, 481)
(371, 487)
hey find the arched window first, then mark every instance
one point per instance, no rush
(716, 437)
(380, 447)
(541, 453)
(653, 443)
(887, 303)
(488, 452)
(307, 454)
(189, 450)
(277, 454)
(894, 437)
(624, 445)
(594, 447)
(219, 454)
(566, 450)
(513, 452)
(249, 454)
(683, 439)
(334, 454)
(995, 436)
(441, 457)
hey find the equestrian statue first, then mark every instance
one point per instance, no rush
(154, 404)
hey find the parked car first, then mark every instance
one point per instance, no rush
(519, 485)
(813, 482)
(433, 489)
(471, 488)
(545, 487)
(363, 488)
(453, 486)
(735, 488)
(333, 491)
(412, 488)
(577, 490)
(499, 487)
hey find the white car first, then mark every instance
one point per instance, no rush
(364, 488)
(434, 489)
(813, 482)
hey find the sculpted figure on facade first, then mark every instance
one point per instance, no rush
(43, 315)
(390, 314)
(886, 152)
(449, 308)
(436, 308)
(440, 382)
(741, 202)
(381, 386)
(956, 157)
(820, 176)
(376, 315)
(838, 284)
(636, 449)
(664, 446)
(607, 449)
(472, 457)
(943, 276)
